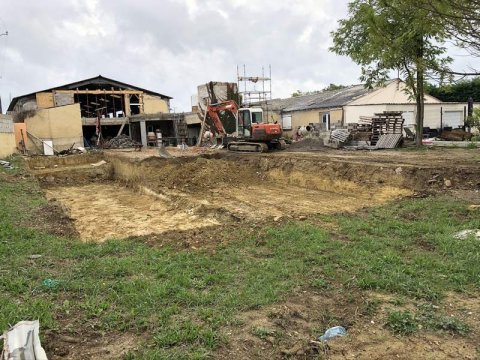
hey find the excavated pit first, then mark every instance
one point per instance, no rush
(121, 196)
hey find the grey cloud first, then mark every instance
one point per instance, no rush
(170, 46)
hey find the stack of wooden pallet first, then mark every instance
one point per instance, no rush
(380, 126)
(362, 131)
(388, 122)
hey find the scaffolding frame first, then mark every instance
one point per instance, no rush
(247, 86)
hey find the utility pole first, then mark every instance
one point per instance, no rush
(1, 110)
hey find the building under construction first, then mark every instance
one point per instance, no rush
(91, 110)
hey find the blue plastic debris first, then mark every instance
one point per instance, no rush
(333, 332)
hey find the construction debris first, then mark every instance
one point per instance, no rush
(23, 342)
(381, 131)
(389, 141)
(456, 135)
(121, 142)
(100, 163)
(339, 136)
(6, 164)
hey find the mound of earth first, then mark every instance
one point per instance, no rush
(308, 144)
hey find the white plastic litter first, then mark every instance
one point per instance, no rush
(22, 342)
(466, 233)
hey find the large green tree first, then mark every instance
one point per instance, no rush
(393, 35)
(461, 20)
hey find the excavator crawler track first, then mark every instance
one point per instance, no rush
(242, 146)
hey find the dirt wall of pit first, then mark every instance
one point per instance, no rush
(207, 171)
(192, 174)
(70, 170)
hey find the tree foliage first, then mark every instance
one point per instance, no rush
(393, 35)
(473, 122)
(456, 92)
(460, 18)
(330, 87)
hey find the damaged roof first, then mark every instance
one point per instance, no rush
(322, 100)
(97, 81)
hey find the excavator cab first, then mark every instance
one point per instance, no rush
(247, 117)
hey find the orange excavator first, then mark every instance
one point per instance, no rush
(251, 133)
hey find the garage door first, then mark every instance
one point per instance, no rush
(453, 119)
(287, 122)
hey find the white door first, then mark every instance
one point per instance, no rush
(409, 119)
(325, 120)
(287, 122)
(453, 119)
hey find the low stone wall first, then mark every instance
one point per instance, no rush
(7, 137)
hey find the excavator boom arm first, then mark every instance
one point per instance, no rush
(214, 109)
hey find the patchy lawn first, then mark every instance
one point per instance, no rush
(395, 268)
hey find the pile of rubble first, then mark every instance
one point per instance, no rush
(121, 142)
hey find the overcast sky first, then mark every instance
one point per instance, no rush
(171, 46)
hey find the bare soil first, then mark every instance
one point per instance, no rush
(54, 218)
(102, 211)
(289, 330)
(189, 193)
(89, 345)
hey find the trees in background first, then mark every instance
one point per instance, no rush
(456, 92)
(328, 88)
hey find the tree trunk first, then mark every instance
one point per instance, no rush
(420, 91)
(420, 107)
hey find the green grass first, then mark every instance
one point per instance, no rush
(402, 322)
(179, 300)
(405, 322)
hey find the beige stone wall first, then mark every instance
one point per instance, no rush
(154, 104)
(302, 118)
(7, 145)
(336, 116)
(45, 100)
(62, 125)
(7, 137)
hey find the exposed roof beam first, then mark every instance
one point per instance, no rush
(97, 92)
